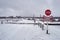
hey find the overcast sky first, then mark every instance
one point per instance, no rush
(28, 7)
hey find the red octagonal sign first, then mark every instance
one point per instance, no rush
(48, 12)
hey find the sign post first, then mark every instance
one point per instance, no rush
(47, 13)
(47, 28)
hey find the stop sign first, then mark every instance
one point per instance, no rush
(48, 12)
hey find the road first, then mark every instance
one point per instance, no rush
(28, 32)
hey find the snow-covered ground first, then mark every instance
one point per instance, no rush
(28, 32)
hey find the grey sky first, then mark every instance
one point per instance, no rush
(28, 7)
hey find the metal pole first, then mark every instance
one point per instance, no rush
(47, 28)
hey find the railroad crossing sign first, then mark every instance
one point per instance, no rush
(47, 18)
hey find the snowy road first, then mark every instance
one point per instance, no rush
(28, 32)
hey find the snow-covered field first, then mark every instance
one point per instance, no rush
(28, 32)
